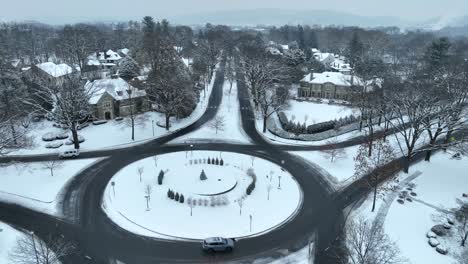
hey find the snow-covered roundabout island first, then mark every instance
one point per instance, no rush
(199, 194)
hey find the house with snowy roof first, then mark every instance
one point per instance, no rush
(49, 71)
(331, 85)
(115, 97)
(107, 59)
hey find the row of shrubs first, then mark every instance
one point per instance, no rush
(213, 201)
(212, 161)
(160, 177)
(175, 196)
(251, 187)
(298, 128)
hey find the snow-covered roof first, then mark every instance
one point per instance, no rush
(336, 78)
(285, 47)
(112, 55)
(273, 51)
(55, 70)
(124, 51)
(322, 56)
(117, 88)
(340, 65)
(187, 61)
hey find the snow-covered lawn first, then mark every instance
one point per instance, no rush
(217, 210)
(8, 238)
(442, 181)
(230, 112)
(315, 112)
(113, 133)
(31, 184)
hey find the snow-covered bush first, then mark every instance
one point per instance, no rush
(217, 161)
(221, 162)
(181, 198)
(209, 161)
(251, 187)
(61, 136)
(99, 122)
(176, 197)
(50, 136)
(54, 145)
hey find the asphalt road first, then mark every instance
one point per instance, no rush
(97, 237)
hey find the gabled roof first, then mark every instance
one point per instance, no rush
(55, 70)
(117, 88)
(336, 78)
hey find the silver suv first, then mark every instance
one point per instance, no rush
(72, 153)
(213, 244)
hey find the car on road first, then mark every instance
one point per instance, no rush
(72, 153)
(220, 244)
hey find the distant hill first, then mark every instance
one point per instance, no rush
(283, 16)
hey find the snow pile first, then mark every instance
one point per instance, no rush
(312, 113)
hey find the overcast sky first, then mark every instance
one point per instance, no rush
(72, 10)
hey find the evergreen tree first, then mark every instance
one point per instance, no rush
(181, 199)
(209, 161)
(221, 162)
(128, 69)
(203, 176)
(160, 177)
(176, 197)
(217, 161)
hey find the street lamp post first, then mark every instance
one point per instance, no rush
(279, 182)
(113, 187)
(250, 216)
(152, 122)
(191, 149)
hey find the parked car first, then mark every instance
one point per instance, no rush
(72, 153)
(214, 244)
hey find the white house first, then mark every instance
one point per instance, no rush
(333, 85)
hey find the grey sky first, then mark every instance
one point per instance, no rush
(72, 10)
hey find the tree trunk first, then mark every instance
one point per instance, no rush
(375, 195)
(230, 88)
(13, 131)
(265, 124)
(406, 163)
(133, 126)
(75, 136)
(167, 122)
(463, 242)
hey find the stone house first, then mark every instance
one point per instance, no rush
(116, 98)
(331, 85)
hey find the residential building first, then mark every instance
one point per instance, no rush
(115, 97)
(331, 85)
(49, 71)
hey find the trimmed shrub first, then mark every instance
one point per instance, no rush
(160, 177)
(169, 193)
(204, 161)
(217, 161)
(176, 197)
(203, 176)
(196, 161)
(190, 162)
(209, 161)
(212, 201)
(205, 202)
(320, 127)
(212, 161)
(172, 195)
(221, 162)
(250, 188)
(181, 199)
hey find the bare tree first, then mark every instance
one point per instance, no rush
(69, 99)
(263, 74)
(332, 151)
(368, 244)
(52, 165)
(240, 202)
(218, 123)
(461, 214)
(140, 171)
(373, 166)
(148, 191)
(269, 187)
(29, 249)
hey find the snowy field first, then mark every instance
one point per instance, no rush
(407, 224)
(313, 113)
(33, 186)
(216, 198)
(229, 111)
(113, 133)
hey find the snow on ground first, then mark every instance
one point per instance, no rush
(315, 112)
(170, 219)
(340, 172)
(8, 238)
(113, 133)
(230, 111)
(442, 181)
(31, 184)
(302, 256)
